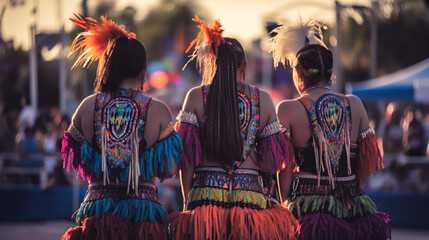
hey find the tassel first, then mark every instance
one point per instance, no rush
(347, 145)
(318, 162)
(104, 169)
(134, 171)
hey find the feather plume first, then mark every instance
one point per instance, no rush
(290, 39)
(206, 52)
(92, 43)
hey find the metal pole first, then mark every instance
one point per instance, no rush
(373, 48)
(33, 69)
(85, 90)
(62, 63)
(339, 82)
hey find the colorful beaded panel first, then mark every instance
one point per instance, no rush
(211, 186)
(120, 117)
(218, 178)
(329, 116)
(119, 192)
(188, 117)
(249, 118)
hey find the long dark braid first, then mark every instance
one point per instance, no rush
(220, 134)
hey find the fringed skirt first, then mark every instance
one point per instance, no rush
(109, 212)
(343, 212)
(215, 211)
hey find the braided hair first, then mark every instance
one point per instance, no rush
(221, 131)
(315, 62)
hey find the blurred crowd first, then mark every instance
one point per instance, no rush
(30, 145)
(404, 140)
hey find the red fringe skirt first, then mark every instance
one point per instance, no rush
(214, 222)
(112, 227)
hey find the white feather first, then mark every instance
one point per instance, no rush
(291, 38)
(205, 61)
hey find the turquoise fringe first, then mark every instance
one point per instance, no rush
(155, 161)
(94, 208)
(137, 210)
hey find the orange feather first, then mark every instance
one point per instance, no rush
(212, 34)
(93, 43)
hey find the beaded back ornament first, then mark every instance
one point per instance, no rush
(331, 124)
(119, 129)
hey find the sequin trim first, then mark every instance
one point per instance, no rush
(219, 178)
(270, 129)
(188, 117)
(365, 133)
(76, 134)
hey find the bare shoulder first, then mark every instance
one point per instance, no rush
(85, 107)
(159, 108)
(193, 94)
(355, 102)
(193, 97)
(287, 105)
(263, 95)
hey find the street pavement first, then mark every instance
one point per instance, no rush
(53, 230)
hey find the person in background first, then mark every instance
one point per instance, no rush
(414, 132)
(120, 140)
(334, 146)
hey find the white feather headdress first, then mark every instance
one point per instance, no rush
(291, 38)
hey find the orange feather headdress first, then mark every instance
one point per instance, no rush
(206, 53)
(93, 43)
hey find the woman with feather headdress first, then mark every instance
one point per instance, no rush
(120, 140)
(334, 146)
(230, 135)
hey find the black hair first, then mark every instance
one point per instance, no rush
(221, 131)
(315, 62)
(124, 58)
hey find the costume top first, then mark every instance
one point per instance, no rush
(118, 152)
(267, 139)
(330, 152)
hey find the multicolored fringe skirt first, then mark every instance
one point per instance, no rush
(343, 212)
(230, 206)
(109, 212)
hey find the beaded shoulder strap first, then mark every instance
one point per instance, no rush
(250, 126)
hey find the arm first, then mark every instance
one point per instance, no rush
(268, 123)
(190, 138)
(162, 140)
(369, 158)
(285, 176)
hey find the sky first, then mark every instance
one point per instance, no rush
(243, 19)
